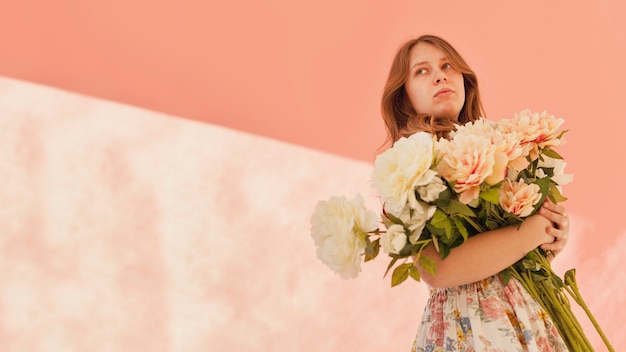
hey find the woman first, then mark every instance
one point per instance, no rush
(430, 88)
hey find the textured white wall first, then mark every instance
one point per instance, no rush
(129, 230)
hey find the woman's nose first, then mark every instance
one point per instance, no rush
(440, 76)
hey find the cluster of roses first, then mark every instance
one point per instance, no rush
(488, 174)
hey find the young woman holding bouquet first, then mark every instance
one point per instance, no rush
(430, 88)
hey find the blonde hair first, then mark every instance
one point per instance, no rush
(398, 113)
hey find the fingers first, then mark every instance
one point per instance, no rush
(555, 246)
(560, 229)
(556, 214)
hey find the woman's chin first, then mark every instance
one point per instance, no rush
(449, 116)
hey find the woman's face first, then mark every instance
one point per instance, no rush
(433, 86)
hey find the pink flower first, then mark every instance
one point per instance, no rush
(537, 130)
(510, 143)
(493, 308)
(518, 198)
(543, 344)
(506, 141)
(469, 160)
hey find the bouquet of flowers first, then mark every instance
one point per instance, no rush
(487, 175)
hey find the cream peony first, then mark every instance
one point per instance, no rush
(339, 228)
(402, 168)
(394, 240)
(468, 160)
(518, 198)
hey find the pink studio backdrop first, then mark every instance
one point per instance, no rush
(178, 219)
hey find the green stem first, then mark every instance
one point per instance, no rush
(550, 296)
(560, 302)
(571, 281)
(565, 319)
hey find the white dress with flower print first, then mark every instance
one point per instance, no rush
(486, 316)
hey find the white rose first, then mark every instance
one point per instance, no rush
(417, 220)
(394, 240)
(338, 228)
(431, 191)
(402, 168)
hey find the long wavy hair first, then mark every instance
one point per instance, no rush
(398, 113)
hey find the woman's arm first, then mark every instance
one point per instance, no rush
(490, 252)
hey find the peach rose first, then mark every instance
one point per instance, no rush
(518, 198)
(469, 160)
(505, 140)
(538, 130)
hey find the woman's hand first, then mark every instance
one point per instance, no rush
(560, 227)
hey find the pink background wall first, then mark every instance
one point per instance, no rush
(245, 114)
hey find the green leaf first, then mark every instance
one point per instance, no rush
(555, 195)
(526, 175)
(445, 250)
(459, 225)
(544, 184)
(435, 242)
(457, 207)
(530, 264)
(428, 264)
(414, 273)
(394, 219)
(391, 263)
(372, 249)
(549, 171)
(490, 195)
(474, 224)
(449, 229)
(407, 250)
(440, 219)
(505, 275)
(551, 153)
(444, 198)
(512, 219)
(400, 274)
(557, 280)
(544, 189)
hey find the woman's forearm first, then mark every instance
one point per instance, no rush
(487, 253)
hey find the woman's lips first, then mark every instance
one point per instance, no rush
(444, 92)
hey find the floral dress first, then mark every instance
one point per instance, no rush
(486, 316)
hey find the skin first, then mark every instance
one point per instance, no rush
(434, 87)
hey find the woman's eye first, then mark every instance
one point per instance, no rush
(420, 71)
(446, 66)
